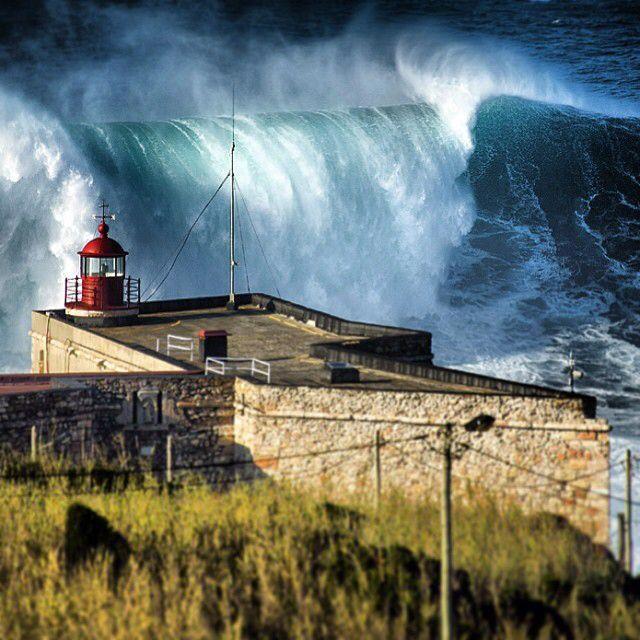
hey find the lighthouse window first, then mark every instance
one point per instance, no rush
(100, 266)
(120, 266)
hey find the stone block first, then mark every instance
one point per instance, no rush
(266, 463)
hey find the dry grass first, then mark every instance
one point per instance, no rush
(266, 561)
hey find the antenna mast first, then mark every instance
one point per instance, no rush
(232, 214)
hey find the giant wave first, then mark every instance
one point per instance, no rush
(513, 246)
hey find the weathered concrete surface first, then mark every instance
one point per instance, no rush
(283, 342)
(295, 340)
(58, 346)
(253, 332)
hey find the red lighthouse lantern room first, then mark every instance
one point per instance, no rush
(103, 294)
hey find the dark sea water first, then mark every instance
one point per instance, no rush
(472, 168)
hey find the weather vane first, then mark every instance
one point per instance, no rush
(104, 215)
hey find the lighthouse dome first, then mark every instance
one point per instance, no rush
(103, 245)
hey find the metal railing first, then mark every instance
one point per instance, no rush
(72, 290)
(132, 291)
(227, 366)
(75, 291)
(178, 343)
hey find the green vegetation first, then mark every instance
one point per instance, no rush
(269, 561)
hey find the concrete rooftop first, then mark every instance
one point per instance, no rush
(257, 333)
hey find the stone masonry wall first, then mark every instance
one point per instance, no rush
(534, 444)
(105, 417)
(541, 452)
(62, 417)
(196, 410)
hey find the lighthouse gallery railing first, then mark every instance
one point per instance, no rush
(92, 294)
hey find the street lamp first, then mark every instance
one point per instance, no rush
(574, 374)
(480, 423)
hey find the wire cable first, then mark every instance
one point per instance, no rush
(289, 456)
(583, 476)
(602, 494)
(264, 255)
(244, 255)
(541, 489)
(184, 241)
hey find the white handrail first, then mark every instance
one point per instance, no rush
(224, 366)
(179, 343)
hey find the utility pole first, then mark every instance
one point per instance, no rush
(629, 540)
(34, 444)
(446, 605)
(377, 470)
(169, 469)
(622, 555)
(571, 371)
(232, 213)
(479, 424)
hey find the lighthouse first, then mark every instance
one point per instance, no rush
(103, 294)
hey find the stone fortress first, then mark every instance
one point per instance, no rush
(250, 386)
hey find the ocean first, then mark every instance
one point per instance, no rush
(471, 168)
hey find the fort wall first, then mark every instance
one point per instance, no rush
(62, 418)
(124, 417)
(61, 347)
(541, 453)
(546, 451)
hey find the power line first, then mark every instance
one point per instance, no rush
(264, 255)
(295, 455)
(521, 467)
(415, 463)
(560, 481)
(478, 481)
(549, 478)
(404, 424)
(184, 242)
(399, 421)
(564, 482)
(583, 476)
(81, 473)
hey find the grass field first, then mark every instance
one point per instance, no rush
(272, 562)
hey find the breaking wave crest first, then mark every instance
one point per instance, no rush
(358, 209)
(45, 188)
(553, 260)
